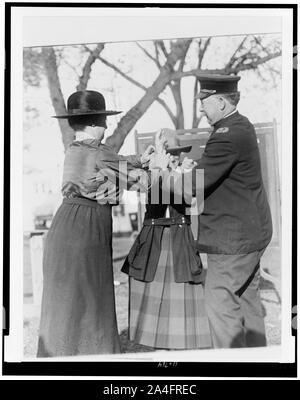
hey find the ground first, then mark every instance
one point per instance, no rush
(269, 294)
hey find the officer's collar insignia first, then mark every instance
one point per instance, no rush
(222, 130)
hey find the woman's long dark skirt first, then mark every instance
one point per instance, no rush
(78, 305)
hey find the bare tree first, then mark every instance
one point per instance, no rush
(178, 49)
(86, 71)
(170, 59)
(202, 48)
(48, 59)
(247, 56)
(57, 99)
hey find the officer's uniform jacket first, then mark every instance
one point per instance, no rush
(236, 217)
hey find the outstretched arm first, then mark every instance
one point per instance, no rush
(216, 163)
(135, 161)
(119, 171)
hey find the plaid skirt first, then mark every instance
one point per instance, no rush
(165, 314)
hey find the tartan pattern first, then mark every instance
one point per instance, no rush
(166, 314)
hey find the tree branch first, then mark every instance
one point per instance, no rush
(120, 72)
(86, 72)
(182, 60)
(233, 57)
(155, 60)
(254, 64)
(72, 67)
(203, 51)
(50, 65)
(168, 110)
(176, 86)
(162, 47)
(243, 67)
(156, 52)
(258, 42)
(129, 120)
(139, 85)
(176, 91)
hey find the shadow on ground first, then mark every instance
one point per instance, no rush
(128, 346)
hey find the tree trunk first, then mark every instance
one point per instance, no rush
(196, 119)
(176, 90)
(87, 69)
(134, 114)
(57, 99)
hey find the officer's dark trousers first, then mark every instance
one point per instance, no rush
(233, 302)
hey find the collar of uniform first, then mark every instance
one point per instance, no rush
(232, 112)
(226, 119)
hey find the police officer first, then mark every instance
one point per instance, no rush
(235, 226)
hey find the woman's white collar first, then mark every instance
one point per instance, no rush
(83, 136)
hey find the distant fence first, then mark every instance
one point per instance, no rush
(36, 247)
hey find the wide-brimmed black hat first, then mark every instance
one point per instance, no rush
(172, 146)
(87, 102)
(217, 84)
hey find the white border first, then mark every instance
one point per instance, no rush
(133, 23)
(47, 35)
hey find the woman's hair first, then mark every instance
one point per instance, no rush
(80, 122)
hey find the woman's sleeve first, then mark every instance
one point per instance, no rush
(108, 154)
(134, 160)
(108, 158)
(124, 171)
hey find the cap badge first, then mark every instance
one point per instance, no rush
(222, 130)
(208, 91)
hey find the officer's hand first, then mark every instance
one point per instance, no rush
(160, 141)
(147, 154)
(159, 161)
(174, 162)
(188, 163)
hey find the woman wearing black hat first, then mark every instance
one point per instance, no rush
(166, 298)
(78, 305)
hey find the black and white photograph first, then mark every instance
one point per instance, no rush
(151, 185)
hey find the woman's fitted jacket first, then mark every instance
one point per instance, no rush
(94, 170)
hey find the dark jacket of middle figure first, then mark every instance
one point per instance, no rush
(142, 260)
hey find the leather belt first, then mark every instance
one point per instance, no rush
(168, 221)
